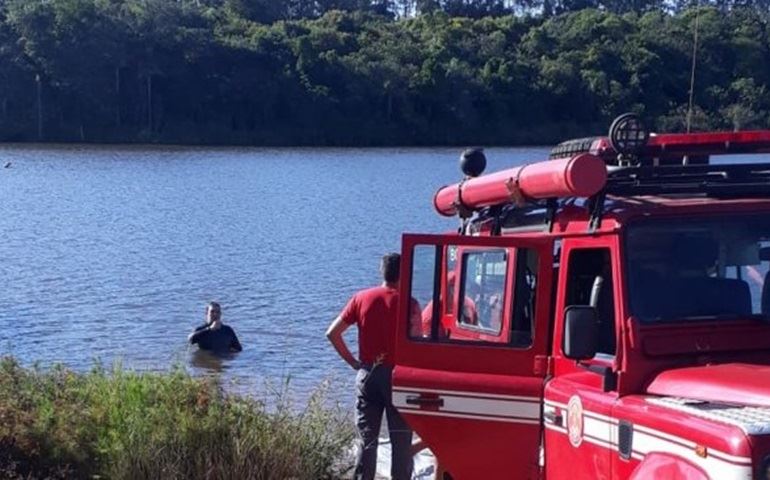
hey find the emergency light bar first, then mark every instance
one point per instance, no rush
(668, 145)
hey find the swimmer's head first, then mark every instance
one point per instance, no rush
(213, 312)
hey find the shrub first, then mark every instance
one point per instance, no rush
(121, 424)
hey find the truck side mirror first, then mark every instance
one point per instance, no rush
(581, 332)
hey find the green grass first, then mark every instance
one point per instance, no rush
(120, 424)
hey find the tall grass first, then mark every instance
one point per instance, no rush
(120, 424)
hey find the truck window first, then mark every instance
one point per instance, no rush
(451, 264)
(483, 287)
(712, 268)
(423, 278)
(464, 297)
(590, 282)
(525, 288)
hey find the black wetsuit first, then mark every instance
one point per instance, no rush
(221, 340)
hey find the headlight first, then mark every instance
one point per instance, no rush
(628, 135)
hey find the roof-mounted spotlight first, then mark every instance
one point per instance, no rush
(628, 136)
(473, 162)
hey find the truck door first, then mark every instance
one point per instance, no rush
(471, 359)
(580, 430)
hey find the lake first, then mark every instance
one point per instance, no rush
(110, 254)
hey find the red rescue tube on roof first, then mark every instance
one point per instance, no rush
(579, 176)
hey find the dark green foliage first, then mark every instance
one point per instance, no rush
(124, 425)
(372, 72)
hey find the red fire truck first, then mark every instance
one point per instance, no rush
(601, 315)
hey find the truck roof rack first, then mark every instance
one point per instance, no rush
(712, 143)
(717, 181)
(638, 163)
(671, 148)
(722, 181)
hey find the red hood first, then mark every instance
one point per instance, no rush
(734, 383)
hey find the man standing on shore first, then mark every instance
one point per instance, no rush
(374, 312)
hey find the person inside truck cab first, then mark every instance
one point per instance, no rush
(491, 308)
(472, 299)
(468, 313)
(484, 283)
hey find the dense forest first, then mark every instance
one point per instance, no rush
(374, 72)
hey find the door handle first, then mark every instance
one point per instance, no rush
(422, 401)
(554, 418)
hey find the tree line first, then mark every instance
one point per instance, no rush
(374, 72)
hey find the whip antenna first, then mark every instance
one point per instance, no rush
(694, 63)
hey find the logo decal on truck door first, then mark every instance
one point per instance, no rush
(575, 421)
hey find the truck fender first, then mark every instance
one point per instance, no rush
(670, 467)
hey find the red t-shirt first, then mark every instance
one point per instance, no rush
(375, 312)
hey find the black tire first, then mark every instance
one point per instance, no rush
(573, 147)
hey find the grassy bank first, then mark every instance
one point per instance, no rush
(119, 424)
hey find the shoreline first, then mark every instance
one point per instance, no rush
(122, 424)
(234, 146)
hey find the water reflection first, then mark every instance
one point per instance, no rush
(210, 362)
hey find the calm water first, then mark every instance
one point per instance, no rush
(111, 253)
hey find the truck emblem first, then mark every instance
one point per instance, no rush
(575, 421)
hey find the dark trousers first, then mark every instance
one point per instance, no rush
(374, 396)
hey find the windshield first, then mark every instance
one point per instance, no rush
(697, 269)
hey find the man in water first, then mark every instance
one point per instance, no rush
(215, 336)
(374, 312)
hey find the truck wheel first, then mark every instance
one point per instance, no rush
(573, 147)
